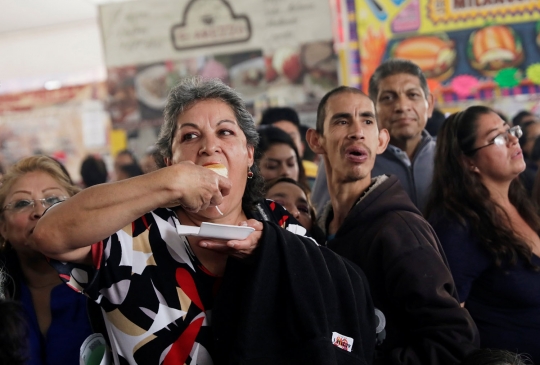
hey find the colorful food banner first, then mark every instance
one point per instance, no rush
(469, 49)
(272, 52)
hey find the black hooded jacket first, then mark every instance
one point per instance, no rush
(284, 307)
(386, 235)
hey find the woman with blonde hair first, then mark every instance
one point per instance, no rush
(56, 316)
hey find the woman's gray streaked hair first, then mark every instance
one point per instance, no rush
(191, 90)
(188, 92)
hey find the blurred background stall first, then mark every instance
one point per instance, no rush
(81, 77)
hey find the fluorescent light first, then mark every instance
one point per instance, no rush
(52, 85)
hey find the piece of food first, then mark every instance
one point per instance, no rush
(218, 169)
(434, 54)
(494, 48)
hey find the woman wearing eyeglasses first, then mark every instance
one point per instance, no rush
(56, 315)
(489, 228)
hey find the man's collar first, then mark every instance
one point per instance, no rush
(426, 137)
(323, 220)
(375, 182)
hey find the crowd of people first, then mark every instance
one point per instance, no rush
(417, 242)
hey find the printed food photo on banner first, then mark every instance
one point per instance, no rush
(493, 48)
(435, 54)
(122, 101)
(301, 75)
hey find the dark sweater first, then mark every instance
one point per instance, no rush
(410, 282)
(504, 302)
(69, 325)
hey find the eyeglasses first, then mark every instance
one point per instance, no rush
(501, 139)
(24, 205)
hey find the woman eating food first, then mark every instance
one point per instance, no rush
(170, 295)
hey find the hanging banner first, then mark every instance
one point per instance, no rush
(450, 38)
(272, 52)
(144, 32)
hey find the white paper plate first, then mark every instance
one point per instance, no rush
(213, 230)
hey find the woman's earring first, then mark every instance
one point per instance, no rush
(250, 174)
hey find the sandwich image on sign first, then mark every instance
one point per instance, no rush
(220, 170)
(434, 54)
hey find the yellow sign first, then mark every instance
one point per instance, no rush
(397, 17)
(118, 141)
(443, 11)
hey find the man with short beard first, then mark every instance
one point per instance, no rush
(373, 222)
(403, 104)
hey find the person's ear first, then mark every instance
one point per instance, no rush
(384, 139)
(251, 154)
(469, 163)
(315, 141)
(168, 161)
(431, 104)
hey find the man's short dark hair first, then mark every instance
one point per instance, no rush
(274, 115)
(131, 170)
(128, 153)
(93, 171)
(321, 109)
(392, 67)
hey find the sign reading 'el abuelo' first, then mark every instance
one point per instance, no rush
(210, 23)
(273, 52)
(143, 32)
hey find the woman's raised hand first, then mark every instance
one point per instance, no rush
(196, 187)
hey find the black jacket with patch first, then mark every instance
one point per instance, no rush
(386, 235)
(283, 304)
